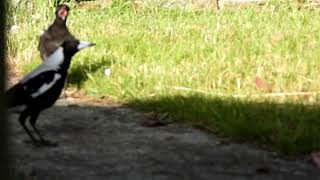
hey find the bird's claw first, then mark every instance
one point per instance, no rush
(48, 143)
(42, 143)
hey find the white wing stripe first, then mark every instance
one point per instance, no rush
(45, 87)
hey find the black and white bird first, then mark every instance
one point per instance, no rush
(40, 89)
(56, 33)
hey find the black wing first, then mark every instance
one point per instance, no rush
(21, 93)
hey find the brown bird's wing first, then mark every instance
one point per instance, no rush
(47, 44)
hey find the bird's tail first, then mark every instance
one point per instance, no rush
(13, 98)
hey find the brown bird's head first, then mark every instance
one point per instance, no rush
(62, 12)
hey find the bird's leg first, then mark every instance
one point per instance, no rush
(33, 118)
(22, 120)
(64, 90)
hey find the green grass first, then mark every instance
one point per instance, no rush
(151, 51)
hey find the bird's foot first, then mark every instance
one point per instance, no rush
(43, 143)
(48, 143)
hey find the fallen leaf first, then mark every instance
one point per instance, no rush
(262, 84)
(308, 98)
(316, 158)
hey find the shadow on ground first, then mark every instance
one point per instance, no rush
(107, 141)
(292, 129)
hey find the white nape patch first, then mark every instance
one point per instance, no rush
(56, 58)
(84, 44)
(45, 87)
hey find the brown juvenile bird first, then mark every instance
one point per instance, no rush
(56, 33)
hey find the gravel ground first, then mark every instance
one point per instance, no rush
(108, 141)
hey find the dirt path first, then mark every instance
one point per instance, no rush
(108, 142)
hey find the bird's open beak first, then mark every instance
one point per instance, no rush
(84, 44)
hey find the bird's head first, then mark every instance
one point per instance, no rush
(64, 53)
(62, 12)
(71, 47)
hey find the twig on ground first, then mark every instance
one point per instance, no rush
(246, 95)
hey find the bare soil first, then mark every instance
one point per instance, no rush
(105, 140)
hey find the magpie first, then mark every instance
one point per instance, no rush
(39, 89)
(56, 33)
